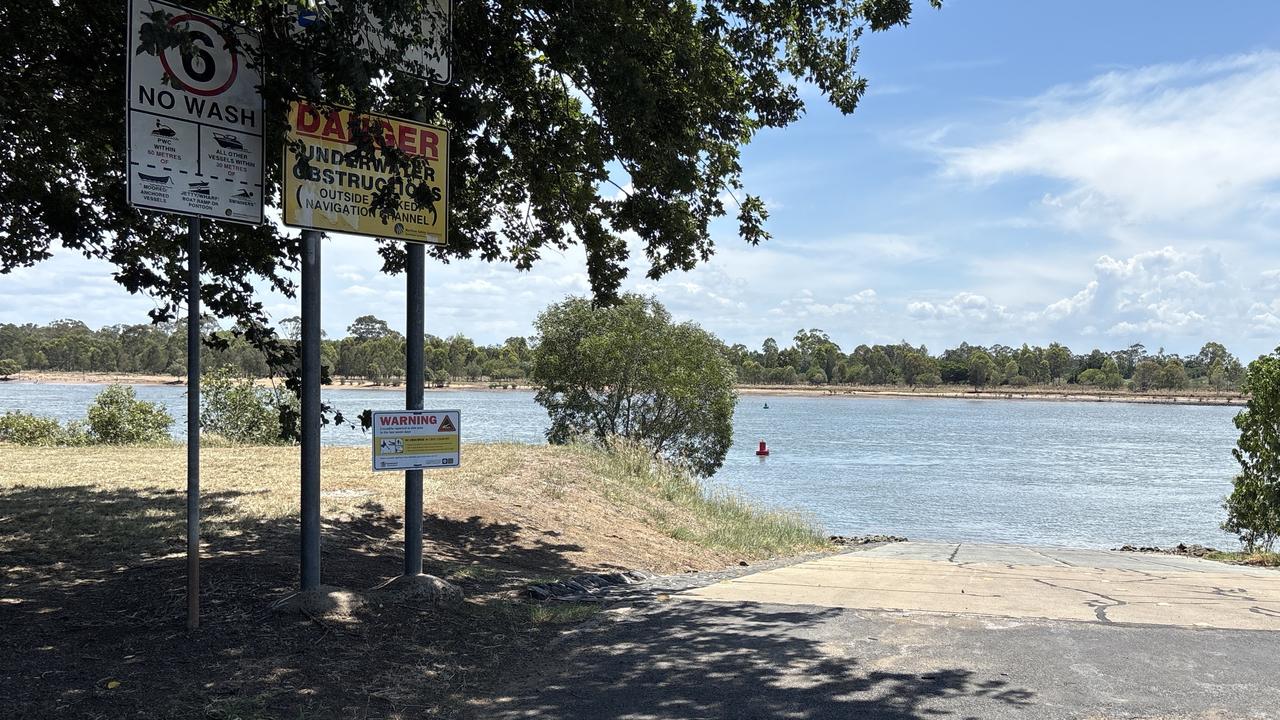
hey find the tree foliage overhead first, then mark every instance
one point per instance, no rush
(572, 123)
(628, 371)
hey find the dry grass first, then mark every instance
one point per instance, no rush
(617, 508)
(1258, 559)
(92, 574)
(686, 510)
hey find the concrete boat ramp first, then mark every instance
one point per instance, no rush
(1023, 582)
(929, 630)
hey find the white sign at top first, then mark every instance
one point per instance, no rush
(195, 117)
(428, 61)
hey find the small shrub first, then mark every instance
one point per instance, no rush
(1019, 381)
(9, 366)
(238, 410)
(21, 428)
(1253, 507)
(1093, 376)
(118, 417)
(929, 380)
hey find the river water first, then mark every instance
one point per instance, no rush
(1083, 474)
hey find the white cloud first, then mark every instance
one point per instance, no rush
(965, 307)
(880, 248)
(864, 297)
(477, 285)
(1265, 316)
(360, 291)
(1157, 143)
(1161, 297)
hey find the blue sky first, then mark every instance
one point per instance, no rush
(1098, 173)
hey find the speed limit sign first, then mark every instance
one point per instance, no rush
(195, 114)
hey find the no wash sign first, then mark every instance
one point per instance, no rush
(195, 115)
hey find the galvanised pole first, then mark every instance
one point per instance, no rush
(415, 273)
(310, 559)
(193, 423)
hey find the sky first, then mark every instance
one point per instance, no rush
(1091, 172)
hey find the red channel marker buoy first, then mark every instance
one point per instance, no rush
(763, 451)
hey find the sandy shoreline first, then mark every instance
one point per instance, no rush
(1040, 394)
(58, 378)
(1045, 394)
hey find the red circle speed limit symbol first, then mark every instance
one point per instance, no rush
(209, 68)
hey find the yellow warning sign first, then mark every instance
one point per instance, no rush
(416, 439)
(335, 169)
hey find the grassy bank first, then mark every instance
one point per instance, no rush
(1257, 559)
(92, 595)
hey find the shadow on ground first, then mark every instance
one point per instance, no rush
(705, 660)
(92, 602)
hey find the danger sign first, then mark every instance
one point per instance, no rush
(336, 168)
(195, 115)
(416, 439)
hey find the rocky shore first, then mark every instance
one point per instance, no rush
(1197, 551)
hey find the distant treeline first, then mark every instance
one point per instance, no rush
(814, 358)
(373, 351)
(370, 351)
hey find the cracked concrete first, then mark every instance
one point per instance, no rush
(1021, 582)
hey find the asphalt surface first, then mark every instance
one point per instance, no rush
(926, 630)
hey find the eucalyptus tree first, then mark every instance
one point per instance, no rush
(628, 371)
(982, 369)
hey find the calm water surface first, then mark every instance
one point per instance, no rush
(1054, 473)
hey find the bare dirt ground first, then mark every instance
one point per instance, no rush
(92, 579)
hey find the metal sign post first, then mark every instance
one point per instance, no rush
(193, 423)
(415, 273)
(310, 557)
(415, 365)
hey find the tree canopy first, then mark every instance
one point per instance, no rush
(571, 123)
(628, 371)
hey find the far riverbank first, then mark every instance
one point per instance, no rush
(339, 383)
(1041, 393)
(1063, 393)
